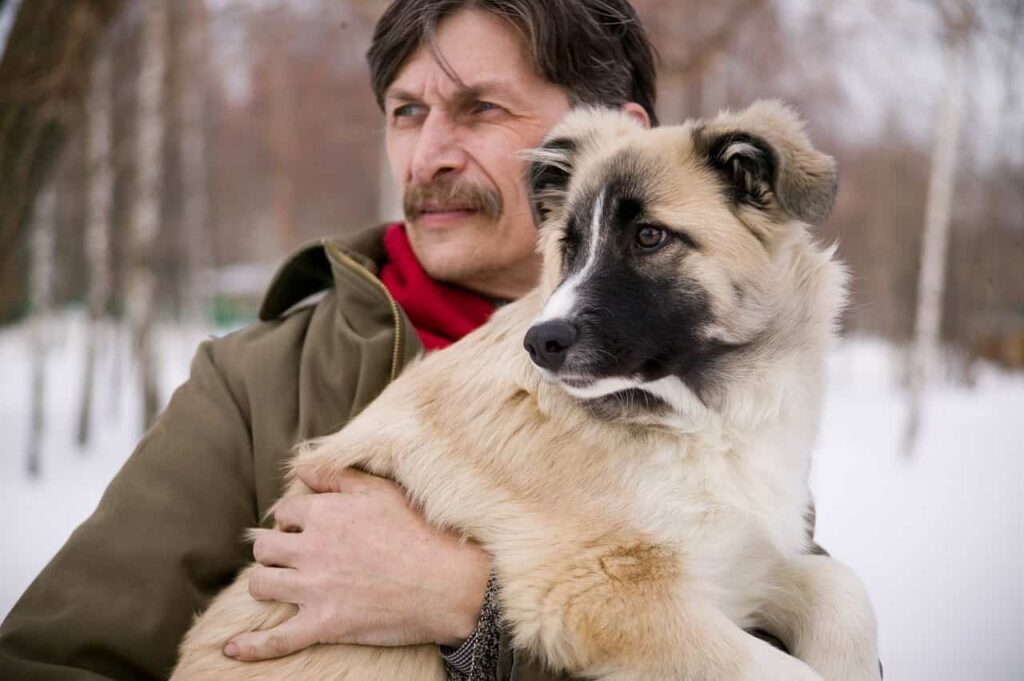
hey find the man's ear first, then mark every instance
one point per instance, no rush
(637, 112)
(767, 162)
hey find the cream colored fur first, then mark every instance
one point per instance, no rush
(624, 549)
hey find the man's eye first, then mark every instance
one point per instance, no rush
(406, 110)
(484, 107)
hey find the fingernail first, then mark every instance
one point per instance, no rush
(231, 650)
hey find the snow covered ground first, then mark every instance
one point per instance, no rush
(937, 540)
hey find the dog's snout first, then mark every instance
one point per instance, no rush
(548, 343)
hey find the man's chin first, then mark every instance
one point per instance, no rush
(477, 253)
(455, 262)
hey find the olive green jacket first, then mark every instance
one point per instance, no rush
(168, 533)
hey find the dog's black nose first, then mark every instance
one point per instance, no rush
(548, 343)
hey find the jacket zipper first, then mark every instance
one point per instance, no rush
(336, 251)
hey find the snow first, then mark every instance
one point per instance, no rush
(45, 511)
(937, 539)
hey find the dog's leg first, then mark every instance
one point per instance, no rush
(822, 612)
(624, 611)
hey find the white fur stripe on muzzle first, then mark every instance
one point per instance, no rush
(562, 302)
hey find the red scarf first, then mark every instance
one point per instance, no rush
(440, 313)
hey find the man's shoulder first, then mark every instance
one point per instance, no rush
(322, 284)
(317, 266)
(328, 340)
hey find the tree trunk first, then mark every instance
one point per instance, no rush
(100, 180)
(935, 239)
(194, 171)
(281, 120)
(146, 213)
(43, 252)
(8, 15)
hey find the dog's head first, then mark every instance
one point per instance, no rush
(669, 253)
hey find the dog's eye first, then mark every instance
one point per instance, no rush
(650, 238)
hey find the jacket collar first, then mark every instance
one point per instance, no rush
(311, 269)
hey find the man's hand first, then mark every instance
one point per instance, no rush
(364, 567)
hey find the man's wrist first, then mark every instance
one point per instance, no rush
(470, 578)
(477, 658)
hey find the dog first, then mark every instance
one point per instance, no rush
(631, 441)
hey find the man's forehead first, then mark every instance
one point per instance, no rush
(453, 88)
(472, 52)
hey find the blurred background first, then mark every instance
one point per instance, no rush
(159, 158)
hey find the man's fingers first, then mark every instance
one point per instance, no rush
(321, 480)
(348, 480)
(276, 549)
(274, 584)
(290, 512)
(286, 638)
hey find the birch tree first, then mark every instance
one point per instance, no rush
(283, 144)
(935, 240)
(44, 230)
(99, 195)
(146, 210)
(192, 105)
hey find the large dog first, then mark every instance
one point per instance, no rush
(639, 471)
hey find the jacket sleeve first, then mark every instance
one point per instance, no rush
(166, 536)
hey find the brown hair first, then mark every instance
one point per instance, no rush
(596, 49)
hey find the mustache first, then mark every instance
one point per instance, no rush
(451, 193)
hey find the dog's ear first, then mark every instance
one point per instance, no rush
(552, 164)
(766, 161)
(547, 178)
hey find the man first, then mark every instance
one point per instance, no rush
(465, 85)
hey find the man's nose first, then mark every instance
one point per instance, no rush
(438, 149)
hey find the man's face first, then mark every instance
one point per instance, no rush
(453, 150)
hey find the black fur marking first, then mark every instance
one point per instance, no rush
(749, 172)
(571, 240)
(543, 178)
(645, 324)
(628, 209)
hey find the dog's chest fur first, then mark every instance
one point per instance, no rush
(729, 504)
(716, 494)
(731, 513)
